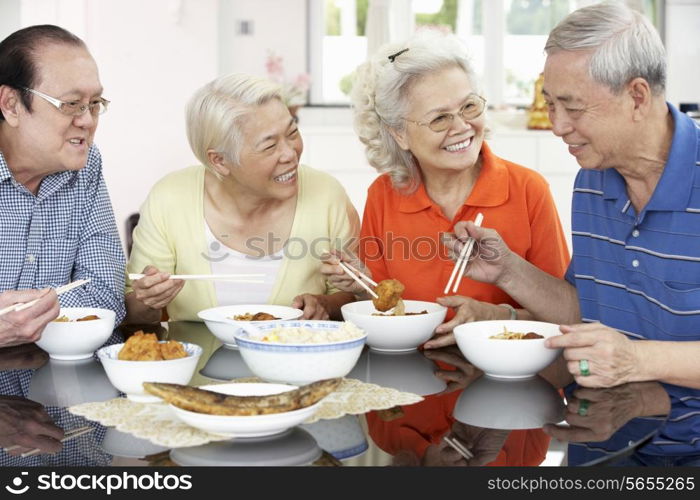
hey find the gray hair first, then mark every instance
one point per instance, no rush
(625, 45)
(379, 98)
(216, 112)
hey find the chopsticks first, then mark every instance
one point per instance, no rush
(349, 270)
(61, 289)
(456, 445)
(463, 260)
(239, 278)
(74, 433)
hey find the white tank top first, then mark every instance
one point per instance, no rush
(225, 260)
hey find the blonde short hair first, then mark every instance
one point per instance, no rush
(216, 112)
(379, 97)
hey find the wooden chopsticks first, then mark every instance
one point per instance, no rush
(238, 278)
(359, 277)
(61, 289)
(73, 433)
(463, 260)
(458, 447)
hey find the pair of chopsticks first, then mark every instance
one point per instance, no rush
(238, 278)
(61, 289)
(461, 264)
(456, 445)
(359, 277)
(74, 433)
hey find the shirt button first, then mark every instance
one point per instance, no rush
(30, 258)
(635, 263)
(635, 233)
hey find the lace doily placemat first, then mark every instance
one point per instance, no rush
(159, 424)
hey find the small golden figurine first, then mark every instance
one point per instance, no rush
(538, 116)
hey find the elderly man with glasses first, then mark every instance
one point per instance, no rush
(56, 219)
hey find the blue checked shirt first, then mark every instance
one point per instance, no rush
(64, 233)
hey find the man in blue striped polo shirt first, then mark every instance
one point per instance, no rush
(56, 219)
(630, 304)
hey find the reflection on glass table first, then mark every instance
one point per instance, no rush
(404, 371)
(226, 363)
(605, 425)
(509, 404)
(292, 447)
(68, 383)
(341, 437)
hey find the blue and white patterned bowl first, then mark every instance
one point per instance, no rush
(129, 376)
(299, 364)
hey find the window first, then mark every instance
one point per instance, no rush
(505, 38)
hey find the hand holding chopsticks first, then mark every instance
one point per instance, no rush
(61, 289)
(74, 433)
(463, 260)
(334, 259)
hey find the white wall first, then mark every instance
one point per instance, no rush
(683, 48)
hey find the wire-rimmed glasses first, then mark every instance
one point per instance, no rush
(472, 108)
(73, 108)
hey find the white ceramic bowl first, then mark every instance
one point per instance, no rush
(219, 322)
(299, 364)
(247, 426)
(70, 340)
(395, 333)
(68, 383)
(509, 404)
(506, 358)
(129, 376)
(293, 447)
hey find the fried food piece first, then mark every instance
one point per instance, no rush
(172, 349)
(90, 317)
(141, 347)
(62, 319)
(389, 292)
(215, 403)
(260, 316)
(533, 335)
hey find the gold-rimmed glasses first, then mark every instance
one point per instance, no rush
(73, 108)
(472, 108)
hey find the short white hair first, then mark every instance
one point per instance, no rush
(379, 97)
(625, 45)
(216, 112)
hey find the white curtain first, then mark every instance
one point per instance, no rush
(388, 21)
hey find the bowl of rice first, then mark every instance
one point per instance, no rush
(301, 352)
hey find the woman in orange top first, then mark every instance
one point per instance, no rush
(421, 118)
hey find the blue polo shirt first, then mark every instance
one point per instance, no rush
(640, 273)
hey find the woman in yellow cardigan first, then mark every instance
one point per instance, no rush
(249, 208)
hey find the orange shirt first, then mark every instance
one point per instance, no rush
(400, 234)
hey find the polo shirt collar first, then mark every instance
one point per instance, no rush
(4, 169)
(674, 187)
(490, 188)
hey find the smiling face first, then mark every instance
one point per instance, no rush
(433, 95)
(49, 140)
(593, 121)
(269, 158)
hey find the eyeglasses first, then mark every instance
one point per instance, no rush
(73, 108)
(471, 109)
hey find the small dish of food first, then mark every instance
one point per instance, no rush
(223, 321)
(507, 348)
(301, 352)
(143, 358)
(244, 409)
(77, 332)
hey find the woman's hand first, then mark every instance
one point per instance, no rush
(338, 278)
(611, 357)
(466, 310)
(156, 290)
(314, 306)
(490, 258)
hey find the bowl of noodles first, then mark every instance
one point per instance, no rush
(507, 349)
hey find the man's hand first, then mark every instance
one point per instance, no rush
(25, 326)
(26, 424)
(611, 356)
